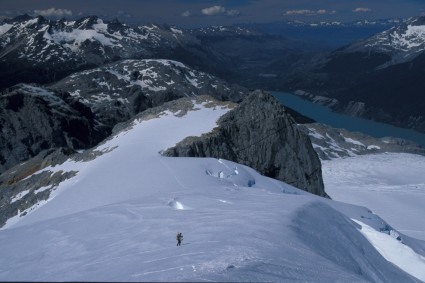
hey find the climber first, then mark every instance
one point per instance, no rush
(179, 238)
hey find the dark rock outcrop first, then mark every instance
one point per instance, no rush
(33, 119)
(260, 134)
(24, 186)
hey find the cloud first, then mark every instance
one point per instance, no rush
(362, 10)
(305, 12)
(325, 12)
(214, 10)
(186, 14)
(53, 12)
(219, 10)
(299, 12)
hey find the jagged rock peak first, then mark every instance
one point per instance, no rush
(87, 22)
(260, 134)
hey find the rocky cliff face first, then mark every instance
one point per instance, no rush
(260, 134)
(81, 110)
(33, 119)
(21, 189)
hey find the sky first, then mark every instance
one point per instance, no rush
(216, 12)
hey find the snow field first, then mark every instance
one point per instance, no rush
(132, 161)
(392, 185)
(117, 219)
(391, 249)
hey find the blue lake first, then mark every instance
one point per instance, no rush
(324, 115)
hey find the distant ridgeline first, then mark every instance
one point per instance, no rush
(379, 78)
(37, 50)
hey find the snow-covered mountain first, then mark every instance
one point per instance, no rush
(37, 50)
(88, 39)
(118, 91)
(224, 31)
(402, 42)
(358, 23)
(57, 48)
(111, 212)
(80, 110)
(116, 216)
(379, 78)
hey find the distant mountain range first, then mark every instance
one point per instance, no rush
(326, 35)
(378, 78)
(43, 51)
(358, 23)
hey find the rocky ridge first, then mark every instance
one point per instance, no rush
(81, 110)
(28, 184)
(116, 92)
(33, 119)
(330, 143)
(24, 187)
(260, 134)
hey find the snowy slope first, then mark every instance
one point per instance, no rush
(116, 220)
(390, 184)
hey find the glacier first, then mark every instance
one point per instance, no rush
(117, 217)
